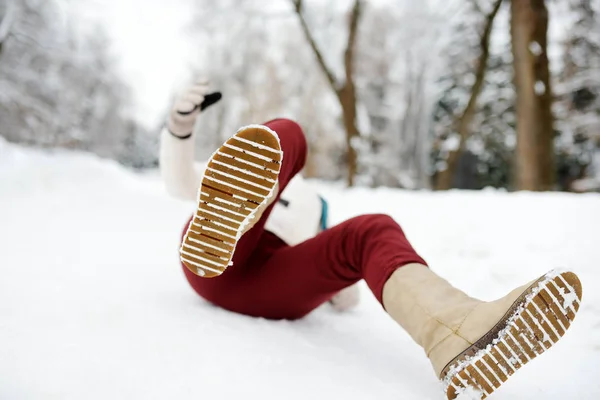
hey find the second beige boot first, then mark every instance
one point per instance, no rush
(475, 346)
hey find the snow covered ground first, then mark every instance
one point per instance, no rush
(93, 304)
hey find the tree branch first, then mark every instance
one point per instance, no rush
(298, 5)
(351, 44)
(476, 6)
(484, 44)
(463, 124)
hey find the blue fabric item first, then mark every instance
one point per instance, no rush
(324, 213)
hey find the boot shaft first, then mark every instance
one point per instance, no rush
(442, 319)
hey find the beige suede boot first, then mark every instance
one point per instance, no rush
(240, 182)
(475, 346)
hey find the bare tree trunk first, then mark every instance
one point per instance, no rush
(535, 168)
(346, 91)
(347, 99)
(463, 123)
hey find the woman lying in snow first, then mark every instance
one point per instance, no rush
(259, 231)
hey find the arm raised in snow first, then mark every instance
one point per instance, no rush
(177, 141)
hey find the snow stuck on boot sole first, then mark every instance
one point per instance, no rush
(240, 178)
(537, 320)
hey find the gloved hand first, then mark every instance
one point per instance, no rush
(187, 106)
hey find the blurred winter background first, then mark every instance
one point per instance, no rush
(402, 100)
(428, 94)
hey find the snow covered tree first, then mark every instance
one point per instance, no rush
(345, 88)
(476, 71)
(489, 158)
(57, 87)
(474, 118)
(281, 82)
(394, 62)
(577, 107)
(6, 22)
(396, 72)
(385, 92)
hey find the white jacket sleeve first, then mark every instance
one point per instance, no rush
(177, 167)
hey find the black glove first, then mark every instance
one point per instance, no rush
(210, 99)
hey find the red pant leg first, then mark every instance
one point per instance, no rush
(293, 281)
(293, 145)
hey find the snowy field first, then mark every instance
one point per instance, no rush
(93, 304)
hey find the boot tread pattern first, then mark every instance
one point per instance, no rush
(240, 177)
(538, 323)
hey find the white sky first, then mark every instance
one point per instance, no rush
(150, 43)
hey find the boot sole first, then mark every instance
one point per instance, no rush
(535, 322)
(239, 180)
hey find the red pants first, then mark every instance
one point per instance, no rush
(272, 280)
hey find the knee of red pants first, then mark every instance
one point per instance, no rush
(293, 141)
(287, 127)
(390, 249)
